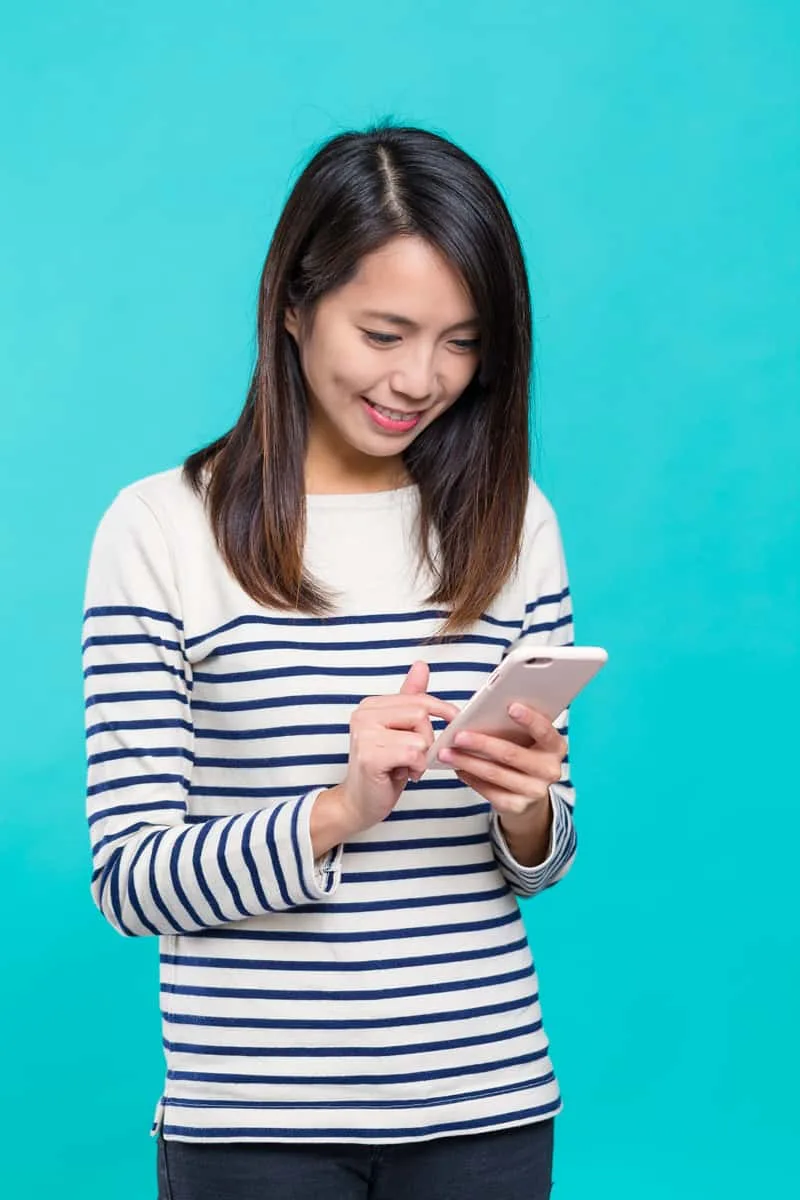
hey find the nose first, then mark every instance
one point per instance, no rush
(414, 376)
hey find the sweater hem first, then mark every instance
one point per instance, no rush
(327, 1125)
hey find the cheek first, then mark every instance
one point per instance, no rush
(459, 377)
(354, 371)
(337, 367)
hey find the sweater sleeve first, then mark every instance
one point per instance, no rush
(548, 620)
(155, 873)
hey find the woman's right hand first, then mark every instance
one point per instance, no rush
(389, 740)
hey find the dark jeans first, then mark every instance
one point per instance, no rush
(510, 1164)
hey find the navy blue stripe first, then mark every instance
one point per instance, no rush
(389, 1134)
(325, 623)
(345, 966)
(345, 906)
(437, 1101)
(499, 1064)
(113, 869)
(396, 993)
(409, 814)
(136, 668)
(122, 809)
(113, 785)
(430, 843)
(202, 882)
(418, 872)
(438, 814)
(140, 752)
(274, 857)
(276, 793)
(483, 1039)
(367, 935)
(129, 639)
(272, 732)
(548, 626)
(174, 872)
(155, 894)
(471, 639)
(128, 697)
(128, 610)
(297, 701)
(114, 837)
(105, 872)
(511, 623)
(262, 764)
(120, 726)
(437, 1018)
(551, 598)
(250, 863)
(132, 894)
(400, 670)
(297, 855)
(224, 868)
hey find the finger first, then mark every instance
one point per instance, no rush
(534, 760)
(501, 800)
(431, 706)
(385, 751)
(538, 725)
(417, 678)
(416, 684)
(533, 786)
(395, 717)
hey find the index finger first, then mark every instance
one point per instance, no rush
(433, 706)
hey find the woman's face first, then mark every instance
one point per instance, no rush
(385, 355)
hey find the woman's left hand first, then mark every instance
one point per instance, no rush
(514, 779)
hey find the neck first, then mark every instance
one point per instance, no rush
(325, 475)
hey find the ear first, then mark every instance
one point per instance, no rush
(291, 322)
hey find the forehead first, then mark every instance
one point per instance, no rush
(409, 276)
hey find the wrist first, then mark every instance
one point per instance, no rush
(528, 834)
(330, 821)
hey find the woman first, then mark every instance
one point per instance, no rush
(273, 636)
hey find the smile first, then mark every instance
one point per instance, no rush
(391, 419)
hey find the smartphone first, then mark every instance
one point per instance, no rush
(547, 678)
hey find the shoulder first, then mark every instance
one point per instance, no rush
(148, 538)
(539, 512)
(167, 494)
(164, 502)
(542, 547)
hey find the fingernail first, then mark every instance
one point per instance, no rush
(517, 712)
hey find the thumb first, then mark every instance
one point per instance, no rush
(416, 680)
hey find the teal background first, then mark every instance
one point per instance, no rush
(650, 155)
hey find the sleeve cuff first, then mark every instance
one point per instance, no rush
(527, 881)
(319, 877)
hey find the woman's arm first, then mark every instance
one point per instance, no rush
(549, 837)
(153, 872)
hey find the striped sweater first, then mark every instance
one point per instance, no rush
(385, 992)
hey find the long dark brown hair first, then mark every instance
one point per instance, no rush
(471, 465)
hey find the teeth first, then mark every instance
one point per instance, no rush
(393, 416)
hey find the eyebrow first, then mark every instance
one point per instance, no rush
(407, 323)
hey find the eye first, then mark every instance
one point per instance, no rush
(380, 339)
(466, 343)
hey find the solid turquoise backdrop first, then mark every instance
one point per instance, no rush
(651, 157)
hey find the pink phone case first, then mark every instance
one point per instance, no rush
(547, 678)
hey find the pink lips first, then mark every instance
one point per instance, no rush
(387, 422)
